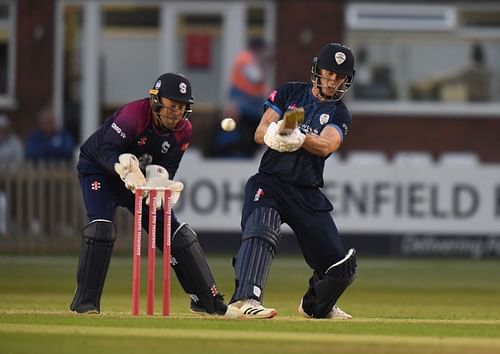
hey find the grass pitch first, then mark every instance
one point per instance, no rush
(399, 306)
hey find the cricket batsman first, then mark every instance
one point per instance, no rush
(302, 125)
(141, 144)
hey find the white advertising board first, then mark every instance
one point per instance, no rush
(367, 199)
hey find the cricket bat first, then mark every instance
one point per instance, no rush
(291, 120)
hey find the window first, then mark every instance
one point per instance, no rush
(130, 51)
(435, 59)
(131, 16)
(7, 47)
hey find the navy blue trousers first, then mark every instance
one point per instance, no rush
(305, 210)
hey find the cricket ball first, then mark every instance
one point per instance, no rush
(228, 124)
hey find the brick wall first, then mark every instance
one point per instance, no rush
(34, 61)
(433, 134)
(303, 27)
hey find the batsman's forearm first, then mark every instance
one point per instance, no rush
(319, 145)
(259, 134)
(268, 117)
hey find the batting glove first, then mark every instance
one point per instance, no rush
(283, 143)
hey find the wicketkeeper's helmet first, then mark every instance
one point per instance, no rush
(172, 86)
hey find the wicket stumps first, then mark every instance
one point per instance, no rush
(136, 257)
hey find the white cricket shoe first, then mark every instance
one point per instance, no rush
(249, 309)
(336, 313)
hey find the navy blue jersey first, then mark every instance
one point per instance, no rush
(302, 167)
(131, 130)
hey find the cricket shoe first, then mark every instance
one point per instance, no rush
(220, 307)
(85, 308)
(249, 309)
(335, 314)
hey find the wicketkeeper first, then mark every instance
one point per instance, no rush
(141, 144)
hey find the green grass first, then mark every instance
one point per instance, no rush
(399, 306)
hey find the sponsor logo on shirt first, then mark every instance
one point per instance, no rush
(307, 129)
(119, 130)
(258, 194)
(345, 128)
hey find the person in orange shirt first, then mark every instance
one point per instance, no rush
(248, 92)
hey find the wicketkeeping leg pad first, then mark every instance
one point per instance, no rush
(192, 270)
(96, 248)
(259, 244)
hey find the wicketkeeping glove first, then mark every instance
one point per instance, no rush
(129, 171)
(157, 176)
(283, 143)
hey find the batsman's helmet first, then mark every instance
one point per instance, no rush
(172, 86)
(337, 58)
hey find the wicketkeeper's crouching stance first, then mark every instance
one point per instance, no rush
(303, 124)
(148, 135)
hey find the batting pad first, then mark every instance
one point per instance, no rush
(325, 289)
(258, 247)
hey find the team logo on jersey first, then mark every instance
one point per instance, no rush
(340, 57)
(165, 147)
(95, 186)
(142, 141)
(323, 119)
(258, 194)
(272, 96)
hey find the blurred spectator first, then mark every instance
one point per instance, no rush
(247, 94)
(477, 75)
(11, 148)
(11, 155)
(373, 82)
(48, 142)
(472, 83)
